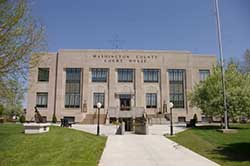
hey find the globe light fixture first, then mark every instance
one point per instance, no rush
(99, 105)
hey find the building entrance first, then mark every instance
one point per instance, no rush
(128, 123)
(125, 102)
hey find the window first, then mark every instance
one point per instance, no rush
(98, 97)
(151, 75)
(99, 75)
(72, 92)
(43, 74)
(42, 99)
(181, 119)
(70, 119)
(151, 100)
(125, 75)
(204, 74)
(125, 102)
(176, 84)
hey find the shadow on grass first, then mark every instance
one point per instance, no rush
(235, 151)
(214, 127)
(207, 127)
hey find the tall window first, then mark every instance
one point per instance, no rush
(204, 74)
(72, 92)
(99, 75)
(176, 83)
(151, 100)
(98, 97)
(125, 75)
(125, 102)
(43, 74)
(42, 99)
(151, 75)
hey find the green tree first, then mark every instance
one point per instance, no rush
(246, 62)
(20, 37)
(12, 103)
(207, 95)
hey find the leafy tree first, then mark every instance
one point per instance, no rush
(12, 102)
(246, 62)
(20, 37)
(207, 95)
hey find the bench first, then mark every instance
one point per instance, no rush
(36, 128)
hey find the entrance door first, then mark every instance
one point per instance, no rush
(125, 102)
(128, 123)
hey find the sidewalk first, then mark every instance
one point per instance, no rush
(148, 150)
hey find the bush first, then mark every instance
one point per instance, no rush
(195, 118)
(1, 110)
(54, 119)
(2, 120)
(22, 119)
(193, 121)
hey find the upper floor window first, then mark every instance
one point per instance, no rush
(125, 75)
(204, 74)
(151, 100)
(72, 89)
(176, 85)
(42, 99)
(99, 75)
(98, 97)
(43, 74)
(151, 75)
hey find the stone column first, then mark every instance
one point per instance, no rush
(86, 93)
(188, 86)
(164, 87)
(111, 87)
(139, 88)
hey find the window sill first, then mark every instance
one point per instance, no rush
(125, 81)
(41, 108)
(72, 108)
(151, 81)
(42, 82)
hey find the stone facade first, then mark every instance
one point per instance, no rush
(138, 60)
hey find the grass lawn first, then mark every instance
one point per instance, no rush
(58, 147)
(225, 149)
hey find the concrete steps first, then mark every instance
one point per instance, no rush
(92, 119)
(158, 121)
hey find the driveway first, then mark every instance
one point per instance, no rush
(148, 150)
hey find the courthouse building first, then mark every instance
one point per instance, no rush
(128, 83)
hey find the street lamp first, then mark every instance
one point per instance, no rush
(171, 105)
(221, 63)
(98, 118)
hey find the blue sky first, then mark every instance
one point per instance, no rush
(145, 24)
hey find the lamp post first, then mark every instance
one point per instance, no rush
(171, 105)
(98, 118)
(221, 63)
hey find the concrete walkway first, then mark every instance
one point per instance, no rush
(148, 150)
(111, 129)
(104, 129)
(165, 129)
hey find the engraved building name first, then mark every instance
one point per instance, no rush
(125, 58)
